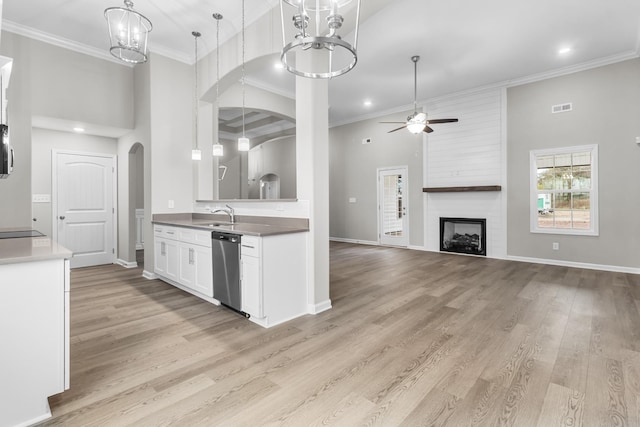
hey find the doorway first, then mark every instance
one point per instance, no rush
(393, 212)
(84, 195)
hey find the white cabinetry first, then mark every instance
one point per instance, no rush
(273, 281)
(166, 252)
(183, 257)
(251, 279)
(34, 326)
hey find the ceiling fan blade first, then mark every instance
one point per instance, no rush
(393, 122)
(442, 121)
(402, 127)
(427, 129)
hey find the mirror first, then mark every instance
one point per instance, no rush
(268, 170)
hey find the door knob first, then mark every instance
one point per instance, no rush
(62, 217)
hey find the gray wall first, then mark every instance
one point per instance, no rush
(277, 157)
(171, 135)
(606, 111)
(353, 173)
(50, 81)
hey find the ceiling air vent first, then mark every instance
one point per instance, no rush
(562, 108)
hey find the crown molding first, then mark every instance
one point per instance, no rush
(583, 66)
(62, 42)
(600, 62)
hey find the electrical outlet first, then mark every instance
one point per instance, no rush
(556, 246)
(352, 200)
(172, 204)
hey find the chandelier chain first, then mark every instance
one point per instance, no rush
(243, 68)
(195, 36)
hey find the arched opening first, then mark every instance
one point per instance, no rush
(136, 203)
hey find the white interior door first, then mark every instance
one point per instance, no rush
(84, 208)
(392, 207)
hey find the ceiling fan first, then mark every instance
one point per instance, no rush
(417, 122)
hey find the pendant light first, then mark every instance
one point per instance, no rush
(218, 149)
(196, 154)
(243, 142)
(128, 33)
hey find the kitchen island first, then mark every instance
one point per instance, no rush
(34, 327)
(272, 261)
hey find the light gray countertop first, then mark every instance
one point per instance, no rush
(29, 249)
(251, 226)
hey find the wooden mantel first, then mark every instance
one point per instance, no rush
(462, 189)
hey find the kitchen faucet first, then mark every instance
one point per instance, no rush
(229, 211)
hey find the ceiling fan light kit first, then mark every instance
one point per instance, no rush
(128, 33)
(317, 24)
(417, 122)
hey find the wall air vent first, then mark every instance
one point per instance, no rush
(562, 108)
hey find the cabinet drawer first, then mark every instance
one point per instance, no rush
(196, 237)
(250, 246)
(165, 231)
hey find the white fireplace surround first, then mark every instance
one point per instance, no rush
(472, 153)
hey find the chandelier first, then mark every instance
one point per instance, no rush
(317, 24)
(128, 33)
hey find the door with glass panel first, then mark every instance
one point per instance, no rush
(393, 209)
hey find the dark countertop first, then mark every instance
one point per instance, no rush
(245, 225)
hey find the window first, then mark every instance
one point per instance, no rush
(564, 196)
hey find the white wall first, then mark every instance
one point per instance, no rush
(470, 152)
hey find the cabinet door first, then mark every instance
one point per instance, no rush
(166, 258)
(251, 286)
(187, 267)
(204, 270)
(195, 270)
(160, 257)
(171, 250)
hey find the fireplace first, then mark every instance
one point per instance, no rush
(463, 235)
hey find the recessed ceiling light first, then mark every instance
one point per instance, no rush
(367, 103)
(78, 129)
(564, 50)
(278, 65)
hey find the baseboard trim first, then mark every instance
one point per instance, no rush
(354, 241)
(149, 275)
(126, 264)
(585, 265)
(319, 308)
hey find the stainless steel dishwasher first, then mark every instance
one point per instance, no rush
(225, 250)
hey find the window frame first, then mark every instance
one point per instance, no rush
(593, 192)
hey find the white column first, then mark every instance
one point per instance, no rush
(312, 160)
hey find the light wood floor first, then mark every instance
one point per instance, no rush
(413, 338)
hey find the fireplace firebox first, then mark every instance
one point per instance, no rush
(463, 235)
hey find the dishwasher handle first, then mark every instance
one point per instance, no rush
(226, 237)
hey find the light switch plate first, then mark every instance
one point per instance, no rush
(352, 200)
(171, 204)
